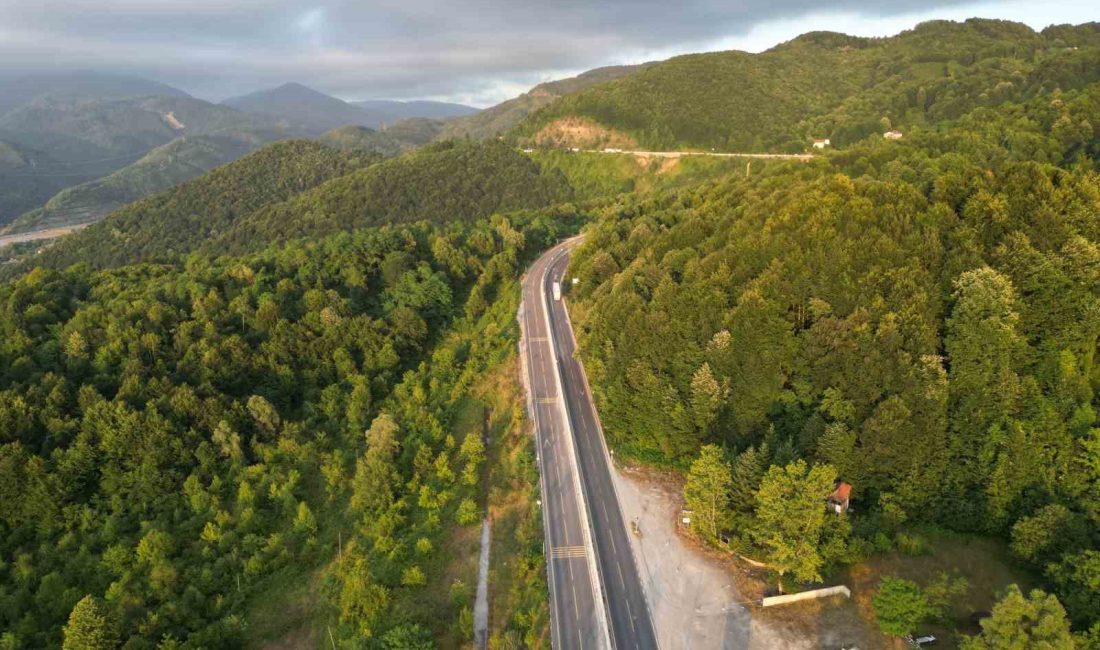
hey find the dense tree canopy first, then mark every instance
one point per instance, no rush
(829, 85)
(922, 316)
(173, 435)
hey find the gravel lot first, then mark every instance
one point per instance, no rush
(693, 596)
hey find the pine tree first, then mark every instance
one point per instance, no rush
(707, 491)
(90, 627)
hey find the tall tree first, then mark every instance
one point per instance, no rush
(1022, 623)
(790, 508)
(983, 347)
(707, 491)
(90, 627)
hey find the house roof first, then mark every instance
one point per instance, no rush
(842, 492)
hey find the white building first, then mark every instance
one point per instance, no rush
(821, 144)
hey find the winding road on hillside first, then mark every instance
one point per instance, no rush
(39, 235)
(596, 597)
(712, 154)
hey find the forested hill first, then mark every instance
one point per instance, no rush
(298, 189)
(919, 317)
(501, 118)
(179, 219)
(224, 453)
(827, 85)
(450, 181)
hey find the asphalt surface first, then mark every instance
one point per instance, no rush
(575, 492)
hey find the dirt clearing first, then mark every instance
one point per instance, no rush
(693, 594)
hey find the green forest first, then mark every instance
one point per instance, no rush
(273, 403)
(179, 438)
(919, 318)
(829, 85)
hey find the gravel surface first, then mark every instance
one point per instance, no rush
(692, 597)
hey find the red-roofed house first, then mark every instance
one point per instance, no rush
(838, 500)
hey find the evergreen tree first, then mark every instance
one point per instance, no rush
(707, 491)
(90, 627)
(1019, 622)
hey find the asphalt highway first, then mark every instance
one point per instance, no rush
(596, 595)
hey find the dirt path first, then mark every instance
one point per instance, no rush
(481, 605)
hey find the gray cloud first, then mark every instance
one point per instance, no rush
(476, 49)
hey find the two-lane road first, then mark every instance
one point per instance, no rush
(576, 620)
(586, 534)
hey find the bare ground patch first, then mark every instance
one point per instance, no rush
(702, 598)
(582, 133)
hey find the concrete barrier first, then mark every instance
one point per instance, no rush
(785, 599)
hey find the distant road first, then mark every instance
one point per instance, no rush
(585, 613)
(38, 235)
(681, 154)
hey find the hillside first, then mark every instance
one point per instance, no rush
(919, 318)
(28, 178)
(10, 156)
(178, 220)
(297, 106)
(442, 183)
(164, 167)
(78, 129)
(825, 85)
(416, 131)
(364, 138)
(220, 438)
(397, 110)
(270, 405)
(401, 136)
(15, 92)
(67, 141)
(501, 118)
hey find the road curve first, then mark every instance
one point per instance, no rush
(595, 594)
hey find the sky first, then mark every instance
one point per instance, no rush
(477, 52)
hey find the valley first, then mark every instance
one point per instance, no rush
(609, 364)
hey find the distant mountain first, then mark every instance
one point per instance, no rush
(28, 178)
(10, 156)
(501, 118)
(823, 85)
(296, 105)
(15, 92)
(64, 141)
(72, 129)
(177, 220)
(168, 165)
(405, 110)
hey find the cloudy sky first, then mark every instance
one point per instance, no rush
(473, 51)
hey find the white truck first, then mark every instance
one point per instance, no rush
(557, 291)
